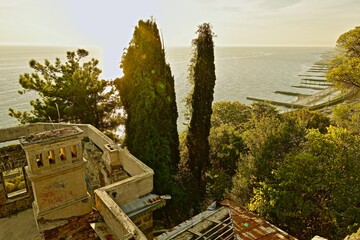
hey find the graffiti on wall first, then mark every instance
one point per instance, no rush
(55, 193)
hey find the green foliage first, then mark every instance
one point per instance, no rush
(184, 178)
(226, 145)
(299, 173)
(21, 185)
(230, 113)
(345, 73)
(148, 96)
(316, 191)
(14, 180)
(261, 109)
(262, 123)
(71, 91)
(350, 42)
(309, 119)
(202, 75)
(10, 187)
(344, 69)
(217, 183)
(348, 116)
(268, 138)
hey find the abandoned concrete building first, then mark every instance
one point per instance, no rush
(81, 185)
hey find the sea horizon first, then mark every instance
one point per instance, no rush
(241, 71)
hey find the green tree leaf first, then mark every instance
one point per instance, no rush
(70, 92)
(148, 95)
(202, 75)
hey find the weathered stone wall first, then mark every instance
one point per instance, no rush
(145, 224)
(13, 206)
(93, 165)
(77, 228)
(98, 172)
(12, 157)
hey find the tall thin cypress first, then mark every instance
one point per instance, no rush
(148, 96)
(202, 76)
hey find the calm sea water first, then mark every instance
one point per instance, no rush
(240, 72)
(249, 72)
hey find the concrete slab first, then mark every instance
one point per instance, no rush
(19, 226)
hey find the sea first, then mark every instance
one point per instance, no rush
(240, 72)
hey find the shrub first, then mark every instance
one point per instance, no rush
(10, 187)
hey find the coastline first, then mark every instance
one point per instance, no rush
(320, 97)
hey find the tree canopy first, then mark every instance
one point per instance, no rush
(350, 42)
(69, 92)
(299, 173)
(345, 73)
(316, 191)
(148, 95)
(348, 116)
(230, 113)
(202, 76)
(344, 69)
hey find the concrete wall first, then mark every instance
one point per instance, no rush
(115, 218)
(12, 157)
(109, 198)
(130, 188)
(59, 186)
(145, 224)
(9, 207)
(93, 165)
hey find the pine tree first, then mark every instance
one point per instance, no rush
(69, 92)
(344, 68)
(148, 96)
(202, 76)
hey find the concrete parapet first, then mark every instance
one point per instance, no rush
(130, 188)
(115, 218)
(132, 165)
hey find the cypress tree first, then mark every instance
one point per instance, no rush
(148, 96)
(202, 76)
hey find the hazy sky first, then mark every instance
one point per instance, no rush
(109, 24)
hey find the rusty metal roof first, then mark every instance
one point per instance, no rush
(249, 226)
(225, 220)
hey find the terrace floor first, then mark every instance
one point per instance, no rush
(19, 226)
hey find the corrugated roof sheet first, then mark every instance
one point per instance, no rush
(214, 223)
(143, 204)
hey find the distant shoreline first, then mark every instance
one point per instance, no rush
(322, 96)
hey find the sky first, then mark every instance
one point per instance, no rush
(109, 24)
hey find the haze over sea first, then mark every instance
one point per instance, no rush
(240, 72)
